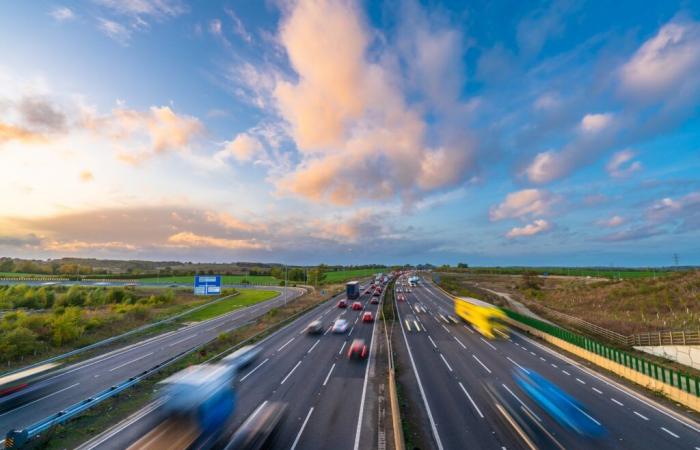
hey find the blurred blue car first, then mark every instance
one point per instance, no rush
(560, 405)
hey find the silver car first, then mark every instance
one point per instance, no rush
(340, 326)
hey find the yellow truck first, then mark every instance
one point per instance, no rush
(486, 318)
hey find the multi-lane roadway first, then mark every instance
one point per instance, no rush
(85, 379)
(455, 368)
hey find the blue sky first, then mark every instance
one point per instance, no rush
(529, 133)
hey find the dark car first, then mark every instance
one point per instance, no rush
(374, 301)
(343, 303)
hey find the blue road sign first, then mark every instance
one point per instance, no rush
(207, 284)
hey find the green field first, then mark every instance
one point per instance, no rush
(226, 279)
(347, 275)
(573, 271)
(28, 275)
(246, 297)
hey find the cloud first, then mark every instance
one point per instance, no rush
(215, 27)
(238, 26)
(666, 64)
(189, 240)
(547, 102)
(29, 240)
(243, 148)
(13, 133)
(80, 246)
(62, 14)
(684, 212)
(86, 176)
(114, 30)
(595, 123)
(633, 234)
(524, 203)
(542, 25)
(40, 114)
(537, 227)
(158, 9)
(621, 164)
(614, 221)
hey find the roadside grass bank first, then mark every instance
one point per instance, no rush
(114, 410)
(246, 297)
(341, 276)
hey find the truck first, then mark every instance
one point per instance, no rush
(352, 290)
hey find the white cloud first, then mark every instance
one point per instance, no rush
(614, 221)
(62, 14)
(547, 102)
(114, 30)
(243, 148)
(158, 9)
(524, 203)
(621, 164)
(189, 240)
(215, 27)
(536, 227)
(595, 123)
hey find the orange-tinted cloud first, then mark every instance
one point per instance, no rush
(188, 239)
(86, 176)
(13, 133)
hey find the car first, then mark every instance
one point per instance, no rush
(357, 306)
(343, 303)
(376, 294)
(367, 317)
(340, 326)
(401, 298)
(315, 327)
(374, 301)
(358, 349)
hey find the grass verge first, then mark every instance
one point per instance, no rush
(246, 297)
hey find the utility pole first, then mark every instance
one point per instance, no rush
(675, 259)
(285, 285)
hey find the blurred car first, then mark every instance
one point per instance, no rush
(340, 326)
(343, 303)
(357, 306)
(401, 298)
(374, 301)
(315, 327)
(358, 349)
(367, 317)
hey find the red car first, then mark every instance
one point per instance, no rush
(402, 298)
(356, 306)
(342, 304)
(367, 317)
(374, 301)
(358, 349)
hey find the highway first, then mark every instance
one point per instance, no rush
(331, 401)
(451, 365)
(91, 376)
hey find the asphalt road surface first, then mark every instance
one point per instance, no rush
(452, 365)
(89, 377)
(331, 401)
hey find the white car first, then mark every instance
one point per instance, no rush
(340, 326)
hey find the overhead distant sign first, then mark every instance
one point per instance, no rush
(207, 284)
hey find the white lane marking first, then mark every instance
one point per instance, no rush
(182, 340)
(432, 341)
(215, 327)
(565, 372)
(342, 347)
(543, 359)
(446, 363)
(118, 428)
(554, 365)
(488, 343)
(642, 416)
(446, 329)
(433, 427)
(40, 399)
(358, 429)
(329, 374)
(533, 353)
(519, 366)
(521, 402)
(313, 347)
(285, 344)
(469, 329)
(254, 369)
(303, 425)
(471, 400)
(580, 381)
(670, 432)
(597, 390)
(129, 362)
(290, 372)
(482, 364)
(460, 342)
(616, 401)
(352, 328)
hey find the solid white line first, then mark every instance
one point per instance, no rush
(129, 362)
(460, 343)
(445, 361)
(432, 342)
(471, 400)
(329, 374)
(597, 390)
(40, 399)
(580, 381)
(313, 347)
(640, 415)
(254, 369)
(482, 364)
(182, 340)
(616, 401)
(488, 343)
(670, 432)
(521, 402)
(285, 344)
(303, 425)
(521, 367)
(290, 372)
(358, 429)
(342, 347)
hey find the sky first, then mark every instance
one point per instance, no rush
(349, 132)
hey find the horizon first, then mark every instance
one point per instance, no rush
(535, 135)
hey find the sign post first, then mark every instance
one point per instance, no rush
(207, 284)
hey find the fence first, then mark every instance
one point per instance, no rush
(684, 382)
